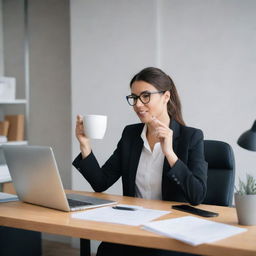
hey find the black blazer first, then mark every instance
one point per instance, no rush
(184, 182)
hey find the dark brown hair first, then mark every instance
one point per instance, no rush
(162, 82)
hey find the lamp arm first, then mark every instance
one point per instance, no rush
(254, 126)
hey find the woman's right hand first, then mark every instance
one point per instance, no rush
(85, 146)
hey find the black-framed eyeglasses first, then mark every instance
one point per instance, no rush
(144, 97)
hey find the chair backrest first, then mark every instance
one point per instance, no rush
(221, 172)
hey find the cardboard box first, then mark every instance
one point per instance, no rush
(16, 127)
(4, 126)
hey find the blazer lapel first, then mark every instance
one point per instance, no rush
(176, 133)
(135, 157)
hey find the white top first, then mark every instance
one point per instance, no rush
(148, 183)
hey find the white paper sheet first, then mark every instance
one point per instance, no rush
(108, 214)
(193, 230)
(6, 197)
(4, 173)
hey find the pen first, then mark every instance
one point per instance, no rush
(123, 208)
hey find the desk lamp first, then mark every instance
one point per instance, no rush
(246, 201)
(248, 139)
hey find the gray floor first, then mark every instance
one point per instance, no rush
(51, 248)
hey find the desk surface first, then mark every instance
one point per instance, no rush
(31, 217)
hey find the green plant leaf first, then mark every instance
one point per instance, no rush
(248, 187)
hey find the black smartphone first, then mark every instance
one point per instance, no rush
(193, 210)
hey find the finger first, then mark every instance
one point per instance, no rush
(162, 135)
(154, 122)
(79, 125)
(163, 130)
(79, 118)
(79, 131)
(158, 123)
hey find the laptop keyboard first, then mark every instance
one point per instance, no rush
(74, 203)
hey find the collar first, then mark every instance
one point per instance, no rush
(144, 137)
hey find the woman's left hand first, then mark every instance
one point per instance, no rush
(165, 136)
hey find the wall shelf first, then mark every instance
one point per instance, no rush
(17, 101)
(22, 142)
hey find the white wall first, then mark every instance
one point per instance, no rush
(209, 47)
(50, 99)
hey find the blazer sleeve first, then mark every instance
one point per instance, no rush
(192, 176)
(100, 178)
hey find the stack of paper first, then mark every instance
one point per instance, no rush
(4, 173)
(5, 197)
(192, 230)
(135, 217)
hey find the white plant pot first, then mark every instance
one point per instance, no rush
(246, 209)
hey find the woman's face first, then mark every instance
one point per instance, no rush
(157, 106)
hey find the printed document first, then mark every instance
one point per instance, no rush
(135, 217)
(193, 230)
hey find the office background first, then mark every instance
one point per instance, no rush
(208, 47)
(83, 53)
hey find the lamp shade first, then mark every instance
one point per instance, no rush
(248, 139)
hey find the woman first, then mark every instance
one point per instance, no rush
(159, 158)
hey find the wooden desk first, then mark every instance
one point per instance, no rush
(31, 217)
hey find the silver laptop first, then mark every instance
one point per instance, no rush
(36, 179)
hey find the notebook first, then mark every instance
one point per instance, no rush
(36, 179)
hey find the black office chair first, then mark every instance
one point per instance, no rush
(221, 173)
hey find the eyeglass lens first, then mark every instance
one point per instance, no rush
(143, 97)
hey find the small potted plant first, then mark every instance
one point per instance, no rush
(245, 201)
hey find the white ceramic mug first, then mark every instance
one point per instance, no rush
(95, 126)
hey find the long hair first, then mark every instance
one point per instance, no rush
(162, 82)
